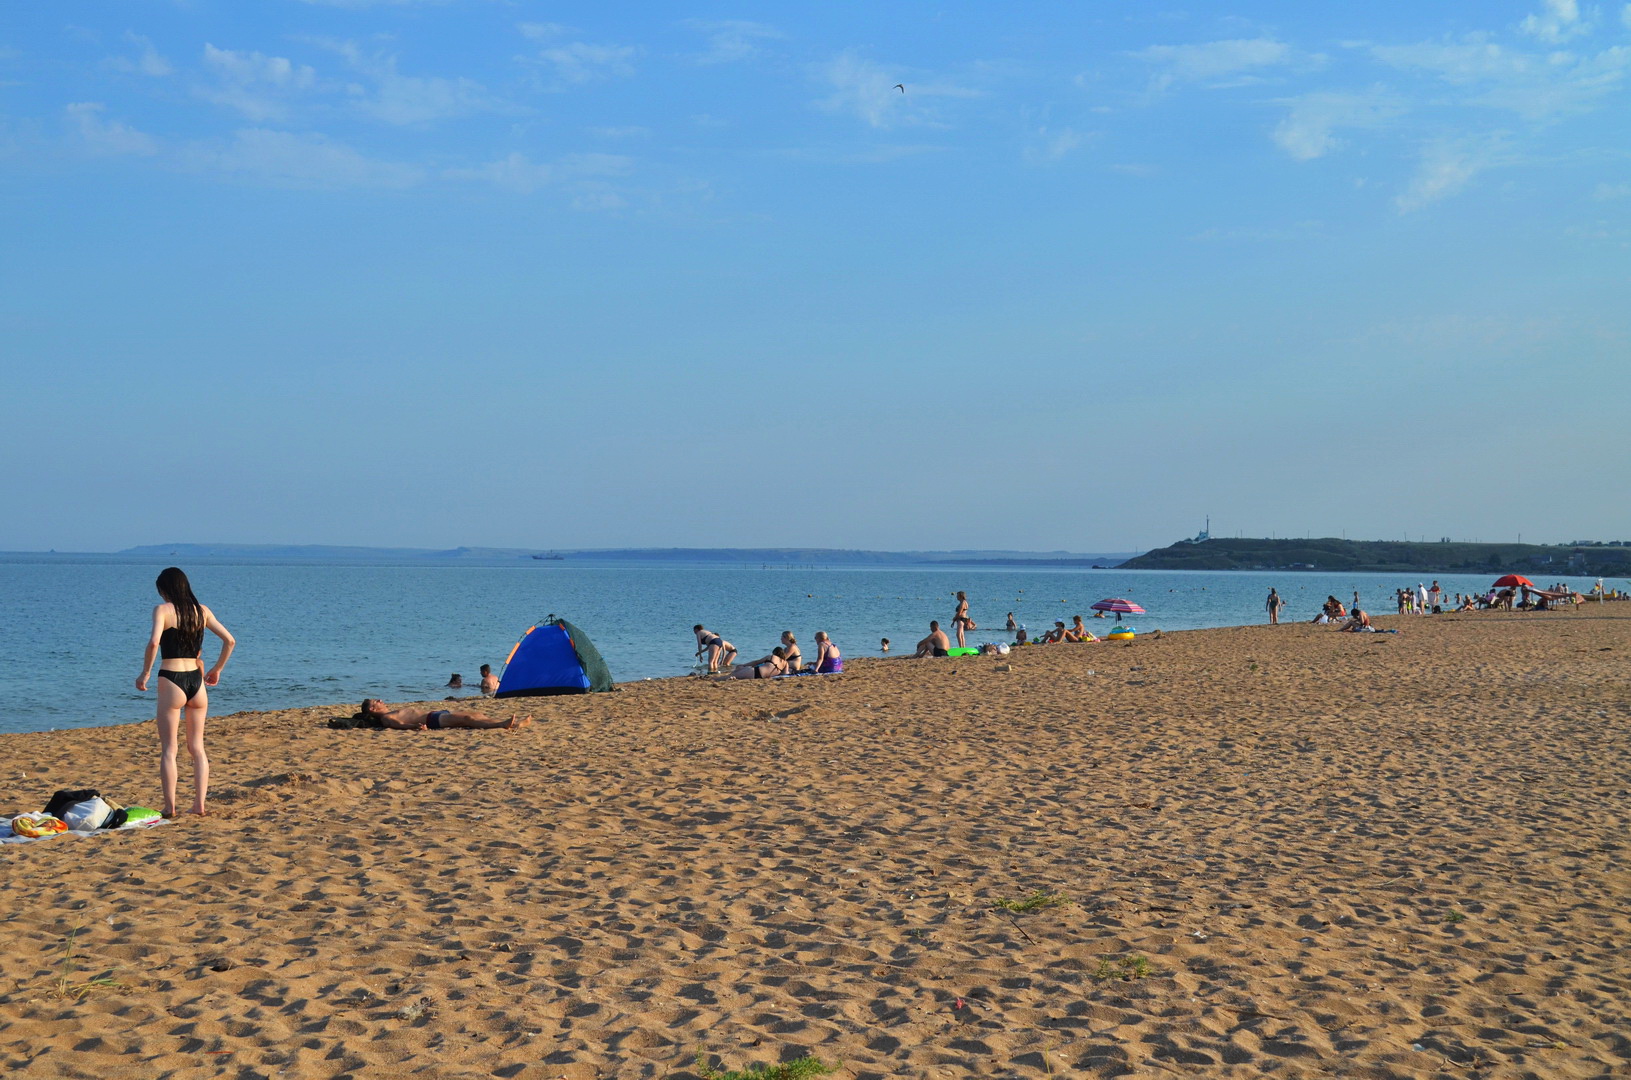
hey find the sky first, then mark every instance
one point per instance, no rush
(908, 276)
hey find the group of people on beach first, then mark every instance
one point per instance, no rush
(785, 659)
(718, 657)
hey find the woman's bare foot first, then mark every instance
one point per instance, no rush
(517, 725)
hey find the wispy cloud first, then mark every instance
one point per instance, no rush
(104, 136)
(732, 40)
(1050, 145)
(409, 99)
(287, 159)
(872, 155)
(1447, 166)
(1556, 21)
(1309, 129)
(574, 63)
(1533, 85)
(1606, 192)
(584, 178)
(881, 96)
(147, 60)
(1214, 64)
(256, 85)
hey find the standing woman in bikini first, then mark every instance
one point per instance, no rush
(960, 621)
(178, 643)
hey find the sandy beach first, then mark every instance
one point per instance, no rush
(1265, 851)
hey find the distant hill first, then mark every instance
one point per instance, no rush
(721, 556)
(1330, 553)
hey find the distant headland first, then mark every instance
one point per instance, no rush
(1593, 558)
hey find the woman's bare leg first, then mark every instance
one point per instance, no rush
(960, 642)
(196, 710)
(168, 719)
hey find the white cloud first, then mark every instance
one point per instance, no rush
(578, 62)
(1309, 130)
(581, 176)
(1446, 167)
(286, 159)
(147, 60)
(1606, 192)
(409, 99)
(630, 131)
(872, 92)
(1557, 20)
(254, 84)
(1535, 86)
(874, 155)
(1214, 63)
(541, 31)
(1051, 146)
(730, 40)
(108, 136)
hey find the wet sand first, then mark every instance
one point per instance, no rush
(1280, 851)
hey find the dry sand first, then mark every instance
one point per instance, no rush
(1339, 855)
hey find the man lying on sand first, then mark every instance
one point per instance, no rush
(434, 720)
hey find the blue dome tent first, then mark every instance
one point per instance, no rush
(554, 657)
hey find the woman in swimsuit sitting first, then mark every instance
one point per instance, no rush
(177, 641)
(790, 651)
(764, 668)
(828, 662)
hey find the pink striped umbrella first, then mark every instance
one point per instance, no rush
(1119, 606)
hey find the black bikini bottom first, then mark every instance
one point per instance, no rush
(189, 682)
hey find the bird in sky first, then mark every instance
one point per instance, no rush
(901, 87)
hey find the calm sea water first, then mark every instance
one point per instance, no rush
(75, 626)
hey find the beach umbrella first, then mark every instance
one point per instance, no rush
(1119, 606)
(1512, 581)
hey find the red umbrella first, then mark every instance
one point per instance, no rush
(1512, 581)
(1119, 606)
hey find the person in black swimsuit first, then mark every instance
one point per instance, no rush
(178, 643)
(433, 720)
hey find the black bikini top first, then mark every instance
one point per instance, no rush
(175, 645)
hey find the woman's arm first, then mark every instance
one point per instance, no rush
(152, 648)
(228, 642)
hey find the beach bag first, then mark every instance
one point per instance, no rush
(36, 825)
(87, 815)
(66, 797)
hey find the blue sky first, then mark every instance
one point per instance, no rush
(572, 274)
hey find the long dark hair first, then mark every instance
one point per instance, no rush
(174, 587)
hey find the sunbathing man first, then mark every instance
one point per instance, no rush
(720, 652)
(433, 720)
(936, 644)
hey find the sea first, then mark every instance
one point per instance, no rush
(311, 633)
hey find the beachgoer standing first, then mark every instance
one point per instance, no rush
(1274, 603)
(1421, 599)
(960, 621)
(1435, 596)
(1012, 625)
(489, 681)
(177, 641)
